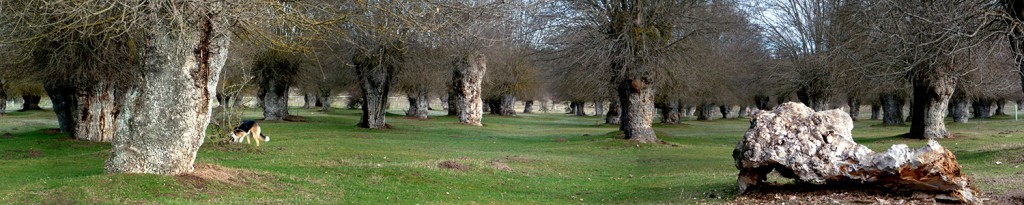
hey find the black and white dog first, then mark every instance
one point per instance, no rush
(249, 128)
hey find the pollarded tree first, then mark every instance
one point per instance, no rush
(512, 74)
(276, 72)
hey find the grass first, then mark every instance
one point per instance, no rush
(555, 159)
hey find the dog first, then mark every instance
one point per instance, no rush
(249, 129)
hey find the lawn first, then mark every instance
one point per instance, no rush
(528, 159)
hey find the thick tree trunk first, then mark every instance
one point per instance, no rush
(1000, 103)
(614, 112)
(599, 108)
(375, 74)
(636, 96)
(419, 103)
(504, 105)
(166, 112)
(579, 108)
(876, 110)
(354, 102)
(761, 101)
(742, 112)
(725, 110)
(65, 106)
(545, 106)
(3, 99)
(528, 106)
(326, 99)
(706, 111)
(854, 107)
(309, 100)
(892, 109)
(690, 111)
(446, 106)
(238, 100)
(489, 104)
(930, 101)
(982, 108)
(670, 113)
(274, 95)
(30, 102)
(99, 109)
(466, 82)
(958, 108)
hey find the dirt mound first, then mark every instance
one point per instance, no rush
(452, 165)
(206, 174)
(21, 154)
(7, 135)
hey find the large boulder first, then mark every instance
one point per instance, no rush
(818, 148)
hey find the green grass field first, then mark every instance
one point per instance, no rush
(553, 159)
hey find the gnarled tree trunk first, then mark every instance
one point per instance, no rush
(528, 106)
(930, 100)
(725, 110)
(614, 114)
(892, 109)
(504, 105)
(466, 81)
(3, 99)
(982, 108)
(598, 108)
(30, 102)
(325, 99)
(761, 101)
(165, 113)
(742, 112)
(309, 100)
(274, 95)
(86, 113)
(670, 113)
(579, 108)
(999, 103)
(854, 107)
(876, 110)
(636, 97)
(375, 72)
(958, 108)
(419, 103)
(706, 111)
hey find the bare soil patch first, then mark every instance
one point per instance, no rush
(206, 174)
(452, 165)
(7, 135)
(51, 131)
(501, 166)
(21, 154)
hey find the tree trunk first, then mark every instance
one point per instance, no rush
(310, 100)
(636, 96)
(545, 106)
(466, 81)
(504, 105)
(274, 95)
(706, 111)
(166, 112)
(3, 99)
(670, 113)
(892, 107)
(489, 104)
(30, 102)
(876, 110)
(725, 110)
(1000, 103)
(598, 108)
(375, 74)
(419, 103)
(238, 100)
(742, 112)
(446, 106)
(65, 106)
(958, 108)
(690, 111)
(761, 101)
(930, 100)
(982, 108)
(528, 106)
(326, 98)
(854, 107)
(579, 108)
(614, 112)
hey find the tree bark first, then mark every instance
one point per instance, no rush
(725, 110)
(761, 101)
(670, 113)
(466, 82)
(706, 111)
(504, 105)
(3, 99)
(166, 111)
(982, 108)
(274, 95)
(636, 96)
(309, 100)
(375, 74)
(892, 107)
(354, 102)
(614, 112)
(742, 112)
(65, 106)
(579, 108)
(599, 108)
(446, 106)
(30, 102)
(528, 106)
(419, 103)
(876, 110)
(1000, 103)
(930, 100)
(854, 107)
(545, 106)
(958, 108)
(326, 98)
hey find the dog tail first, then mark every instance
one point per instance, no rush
(265, 137)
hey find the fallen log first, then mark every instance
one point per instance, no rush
(818, 148)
